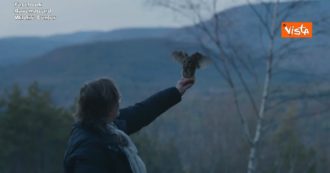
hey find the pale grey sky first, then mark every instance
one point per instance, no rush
(85, 15)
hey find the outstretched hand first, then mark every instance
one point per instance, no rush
(184, 84)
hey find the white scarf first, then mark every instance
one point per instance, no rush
(131, 152)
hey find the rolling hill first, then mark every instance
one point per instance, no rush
(137, 66)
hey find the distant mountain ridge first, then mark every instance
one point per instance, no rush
(20, 49)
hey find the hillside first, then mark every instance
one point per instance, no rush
(134, 64)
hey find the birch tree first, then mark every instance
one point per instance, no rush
(236, 64)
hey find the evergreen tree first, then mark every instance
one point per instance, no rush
(33, 132)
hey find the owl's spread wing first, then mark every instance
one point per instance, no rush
(180, 56)
(202, 60)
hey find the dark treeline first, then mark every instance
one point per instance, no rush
(33, 132)
(199, 135)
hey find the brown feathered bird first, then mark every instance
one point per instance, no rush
(190, 63)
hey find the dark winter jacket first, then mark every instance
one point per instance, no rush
(91, 151)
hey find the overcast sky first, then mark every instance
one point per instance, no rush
(85, 15)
